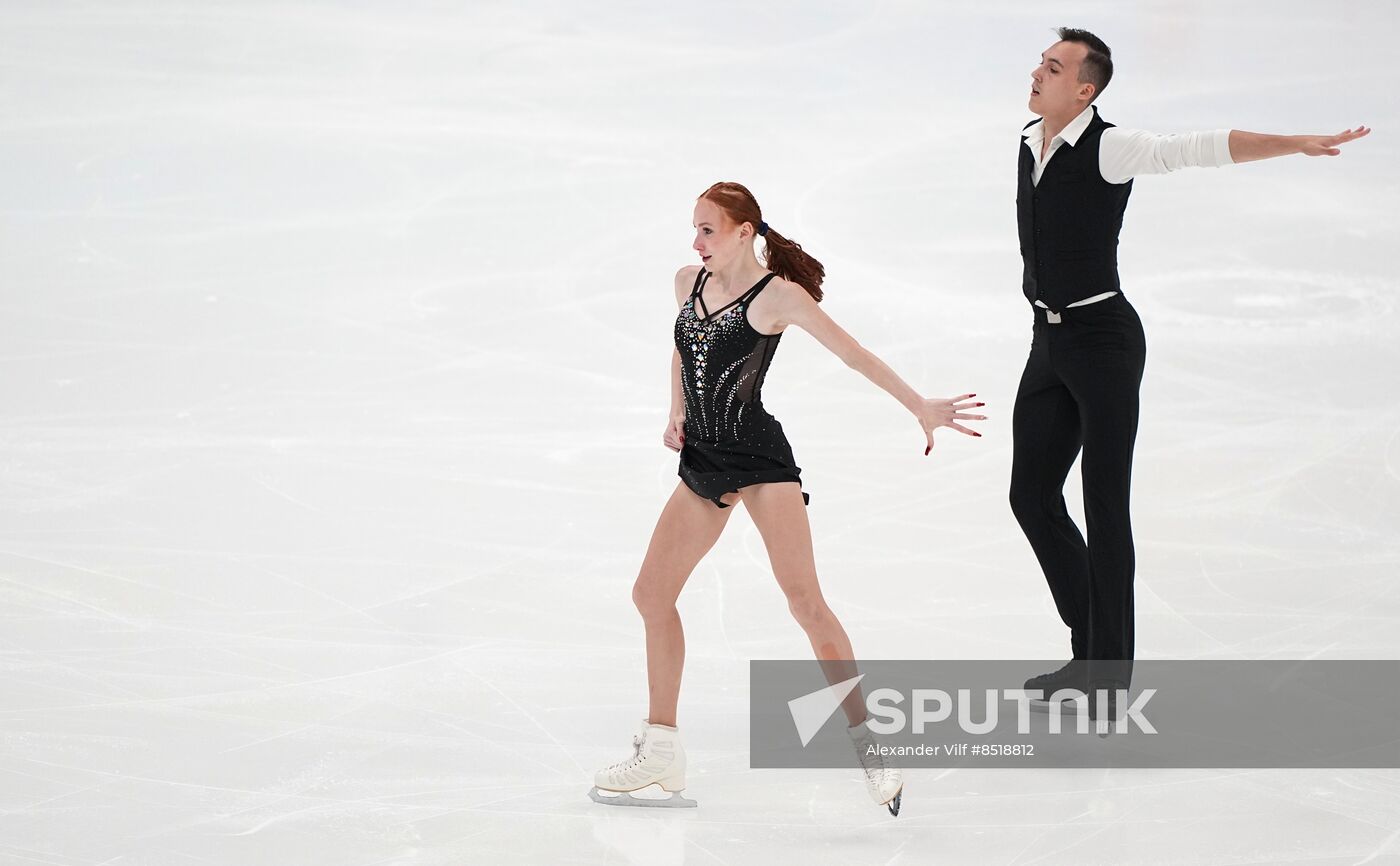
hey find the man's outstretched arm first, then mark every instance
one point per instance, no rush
(1128, 153)
(1249, 146)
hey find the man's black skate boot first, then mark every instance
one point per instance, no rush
(1073, 675)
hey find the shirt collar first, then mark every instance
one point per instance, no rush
(1035, 133)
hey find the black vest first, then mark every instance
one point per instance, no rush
(1069, 222)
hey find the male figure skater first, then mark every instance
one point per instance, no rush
(1080, 385)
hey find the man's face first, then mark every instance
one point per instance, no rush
(1055, 86)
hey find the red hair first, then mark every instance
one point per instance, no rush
(780, 255)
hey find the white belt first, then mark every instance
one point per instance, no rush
(1053, 317)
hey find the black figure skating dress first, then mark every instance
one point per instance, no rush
(730, 439)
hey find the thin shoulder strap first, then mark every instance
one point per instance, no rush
(758, 287)
(696, 298)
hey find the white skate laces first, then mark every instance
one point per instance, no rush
(884, 782)
(656, 768)
(622, 767)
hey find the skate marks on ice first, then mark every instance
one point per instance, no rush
(1270, 301)
(642, 839)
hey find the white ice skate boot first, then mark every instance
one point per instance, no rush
(657, 767)
(884, 782)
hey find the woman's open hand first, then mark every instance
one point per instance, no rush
(938, 412)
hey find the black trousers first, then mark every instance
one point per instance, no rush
(1080, 391)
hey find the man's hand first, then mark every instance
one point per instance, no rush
(1326, 145)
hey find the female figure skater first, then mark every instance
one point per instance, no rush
(733, 310)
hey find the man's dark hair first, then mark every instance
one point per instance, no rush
(1097, 67)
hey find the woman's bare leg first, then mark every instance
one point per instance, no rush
(781, 517)
(688, 527)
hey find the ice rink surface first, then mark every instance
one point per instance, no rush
(334, 374)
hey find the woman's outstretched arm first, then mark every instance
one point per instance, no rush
(798, 308)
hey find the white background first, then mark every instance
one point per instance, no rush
(334, 372)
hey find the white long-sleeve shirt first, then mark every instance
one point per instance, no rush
(1126, 153)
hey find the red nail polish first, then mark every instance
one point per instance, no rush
(981, 404)
(927, 450)
(976, 434)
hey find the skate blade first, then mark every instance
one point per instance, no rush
(1069, 705)
(893, 804)
(1071, 711)
(623, 798)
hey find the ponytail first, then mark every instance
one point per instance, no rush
(787, 259)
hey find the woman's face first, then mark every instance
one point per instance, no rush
(718, 240)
